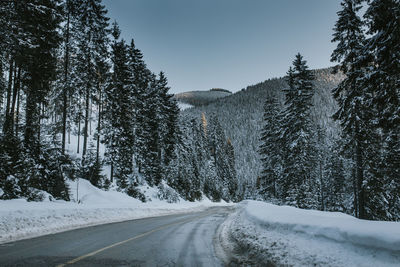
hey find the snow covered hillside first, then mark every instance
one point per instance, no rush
(283, 235)
(241, 116)
(183, 106)
(20, 219)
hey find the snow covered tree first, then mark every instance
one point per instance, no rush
(233, 186)
(353, 114)
(118, 133)
(382, 51)
(93, 29)
(151, 129)
(270, 148)
(169, 112)
(69, 34)
(335, 179)
(183, 173)
(298, 183)
(140, 79)
(40, 22)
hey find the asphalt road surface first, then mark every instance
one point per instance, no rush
(174, 240)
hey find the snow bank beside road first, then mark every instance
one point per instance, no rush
(282, 235)
(332, 225)
(20, 219)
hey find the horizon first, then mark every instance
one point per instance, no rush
(248, 45)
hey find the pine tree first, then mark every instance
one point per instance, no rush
(118, 135)
(382, 81)
(231, 169)
(40, 22)
(298, 183)
(140, 78)
(152, 128)
(270, 148)
(93, 28)
(353, 114)
(69, 36)
(169, 120)
(182, 173)
(335, 186)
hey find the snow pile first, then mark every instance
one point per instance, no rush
(290, 236)
(332, 225)
(20, 219)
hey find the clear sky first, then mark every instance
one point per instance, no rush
(201, 44)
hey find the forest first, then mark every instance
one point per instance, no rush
(64, 68)
(326, 139)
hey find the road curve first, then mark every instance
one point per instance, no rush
(174, 240)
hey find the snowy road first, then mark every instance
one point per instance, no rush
(183, 240)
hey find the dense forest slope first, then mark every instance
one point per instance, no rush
(241, 117)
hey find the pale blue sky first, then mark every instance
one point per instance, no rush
(226, 43)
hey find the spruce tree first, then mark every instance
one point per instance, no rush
(298, 183)
(270, 148)
(40, 22)
(169, 112)
(140, 78)
(118, 134)
(383, 82)
(93, 28)
(353, 114)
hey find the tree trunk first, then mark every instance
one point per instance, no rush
(322, 186)
(360, 179)
(79, 130)
(65, 98)
(85, 129)
(98, 128)
(112, 171)
(17, 114)
(355, 200)
(90, 117)
(17, 81)
(8, 103)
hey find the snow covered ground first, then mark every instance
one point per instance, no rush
(20, 219)
(285, 235)
(183, 106)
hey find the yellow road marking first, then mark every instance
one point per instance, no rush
(127, 240)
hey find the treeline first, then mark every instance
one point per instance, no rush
(63, 67)
(358, 173)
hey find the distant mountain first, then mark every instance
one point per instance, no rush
(241, 113)
(199, 98)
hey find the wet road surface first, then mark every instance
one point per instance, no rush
(174, 240)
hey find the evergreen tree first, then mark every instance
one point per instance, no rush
(70, 11)
(233, 186)
(335, 182)
(118, 135)
(182, 173)
(353, 113)
(270, 148)
(93, 28)
(169, 112)
(40, 22)
(382, 51)
(152, 129)
(298, 183)
(92, 169)
(140, 79)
